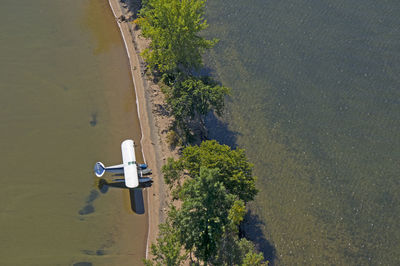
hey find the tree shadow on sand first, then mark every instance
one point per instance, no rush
(252, 228)
(133, 6)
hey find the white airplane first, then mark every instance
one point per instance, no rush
(129, 168)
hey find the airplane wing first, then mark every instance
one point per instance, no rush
(130, 165)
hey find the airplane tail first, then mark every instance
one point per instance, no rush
(99, 169)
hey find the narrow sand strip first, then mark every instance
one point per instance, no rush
(151, 140)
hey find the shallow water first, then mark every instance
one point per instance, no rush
(67, 101)
(316, 105)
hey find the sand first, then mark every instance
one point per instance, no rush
(153, 120)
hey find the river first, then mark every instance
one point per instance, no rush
(67, 100)
(316, 105)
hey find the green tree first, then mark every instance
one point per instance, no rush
(235, 251)
(204, 213)
(232, 250)
(235, 172)
(167, 250)
(254, 259)
(173, 27)
(191, 99)
(236, 215)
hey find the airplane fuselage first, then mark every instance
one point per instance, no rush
(129, 168)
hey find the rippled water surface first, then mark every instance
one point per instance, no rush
(66, 101)
(316, 105)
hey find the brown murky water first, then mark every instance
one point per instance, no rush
(66, 101)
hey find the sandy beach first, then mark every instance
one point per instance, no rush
(154, 123)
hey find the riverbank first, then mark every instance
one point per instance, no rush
(153, 120)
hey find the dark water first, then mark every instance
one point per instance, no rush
(66, 101)
(316, 105)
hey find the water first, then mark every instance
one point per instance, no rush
(67, 101)
(316, 105)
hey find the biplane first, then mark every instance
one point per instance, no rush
(134, 173)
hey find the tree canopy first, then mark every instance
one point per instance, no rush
(173, 27)
(168, 249)
(212, 181)
(204, 213)
(233, 250)
(235, 172)
(206, 225)
(176, 50)
(191, 99)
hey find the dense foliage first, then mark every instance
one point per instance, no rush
(175, 51)
(173, 27)
(235, 251)
(212, 181)
(206, 225)
(168, 249)
(204, 213)
(191, 99)
(234, 170)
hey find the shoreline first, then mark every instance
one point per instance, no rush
(153, 124)
(128, 42)
(116, 9)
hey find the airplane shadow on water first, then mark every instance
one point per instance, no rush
(89, 208)
(135, 194)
